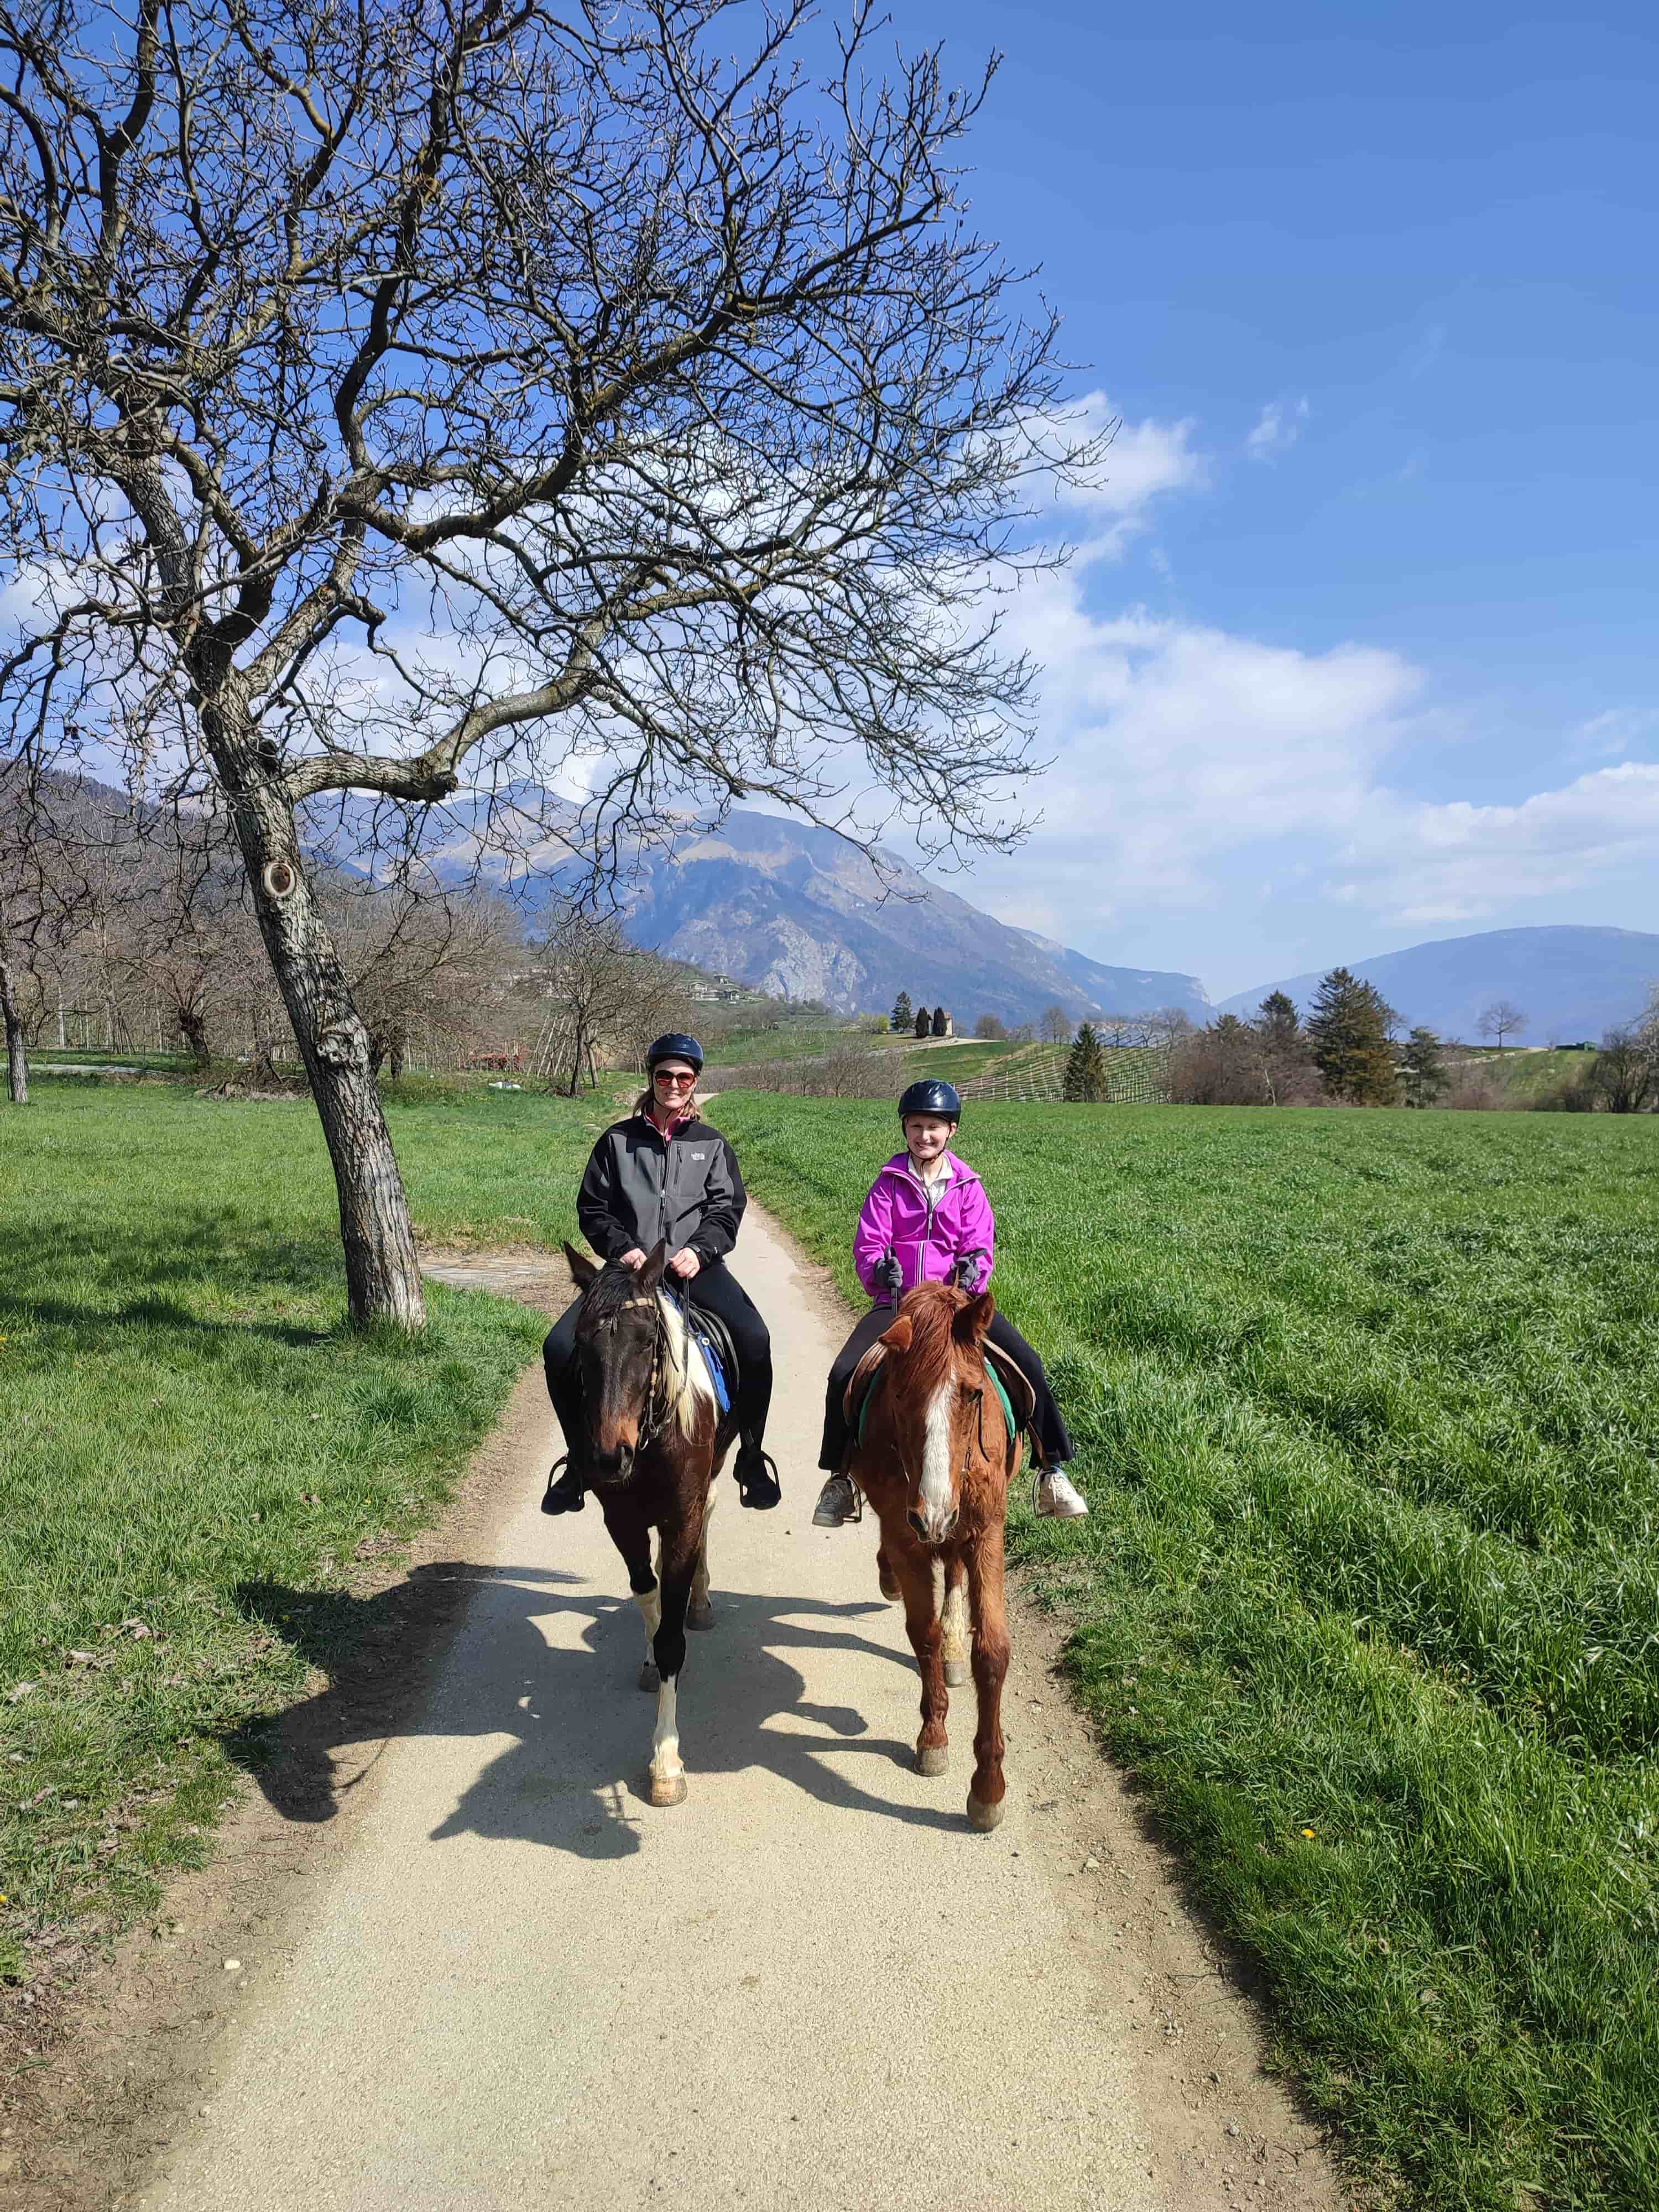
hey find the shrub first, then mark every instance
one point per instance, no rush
(1575, 1094)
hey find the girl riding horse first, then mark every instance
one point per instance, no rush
(664, 1175)
(927, 1220)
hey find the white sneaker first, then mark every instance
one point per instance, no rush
(1057, 1499)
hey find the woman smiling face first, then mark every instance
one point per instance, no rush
(672, 1082)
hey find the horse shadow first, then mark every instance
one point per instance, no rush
(573, 1776)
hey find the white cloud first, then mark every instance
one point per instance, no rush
(1143, 461)
(1277, 429)
(1459, 861)
(1205, 785)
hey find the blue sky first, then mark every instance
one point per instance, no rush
(1361, 649)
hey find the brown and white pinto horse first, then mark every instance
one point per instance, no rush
(935, 1461)
(652, 1442)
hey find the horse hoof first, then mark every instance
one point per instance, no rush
(668, 1789)
(984, 1817)
(956, 1673)
(649, 1678)
(931, 1759)
(700, 1616)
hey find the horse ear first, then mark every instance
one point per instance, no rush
(651, 1274)
(973, 1319)
(582, 1269)
(897, 1339)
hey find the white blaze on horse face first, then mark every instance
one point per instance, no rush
(938, 1506)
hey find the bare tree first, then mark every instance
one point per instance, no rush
(590, 975)
(25, 920)
(657, 998)
(190, 939)
(991, 1026)
(416, 402)
(1056, 1027)
(52, 879)
(1224, 1064)
(1625, 1074)
(423, 962)
(1501, 1019)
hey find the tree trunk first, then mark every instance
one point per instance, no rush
(194, 1029)
(399, 1053)
(383, 1275)
(17, 1057)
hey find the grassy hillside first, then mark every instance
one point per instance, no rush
(1519, 1077)
(1368, 1598)
(188, 1422)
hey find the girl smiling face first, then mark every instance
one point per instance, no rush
(928, 1137)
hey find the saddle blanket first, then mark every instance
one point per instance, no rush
(713, 1361)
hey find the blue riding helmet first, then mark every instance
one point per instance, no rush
(675, 1047)
(932, 1097)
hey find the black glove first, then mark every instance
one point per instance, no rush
(964, 1269)
(890, 1275)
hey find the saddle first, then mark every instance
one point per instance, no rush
(1018, 1399)
(714, 1340)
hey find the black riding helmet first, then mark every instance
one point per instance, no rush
(932, 1097)
(675, 1047)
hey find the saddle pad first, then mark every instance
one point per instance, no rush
(1017, 1392)
(715, 1363)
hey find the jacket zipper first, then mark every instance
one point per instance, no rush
(930, 1200)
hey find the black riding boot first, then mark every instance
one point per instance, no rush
(563, 1493)
(757, 1476)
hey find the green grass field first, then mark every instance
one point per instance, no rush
(187, 1419)
(1369, 1597)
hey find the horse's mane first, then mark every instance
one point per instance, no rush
(687, 1384)
(930, 1310)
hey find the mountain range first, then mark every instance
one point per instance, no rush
(795, 910)
(1571, 982)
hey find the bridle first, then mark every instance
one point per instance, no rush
(654, 1417)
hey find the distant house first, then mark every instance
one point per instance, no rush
(716, 990)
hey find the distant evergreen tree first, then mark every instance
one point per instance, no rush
(924, 1021)
(1422, 1069)
(900, 1019)
(1349, 1029)
(1285, 1058)
(1085, 1069)
(941, 1021)
(1278, 1024)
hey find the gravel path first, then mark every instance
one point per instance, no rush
(519, 1985)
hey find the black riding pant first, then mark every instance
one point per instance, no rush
(1053, 1440)
(717, 1291)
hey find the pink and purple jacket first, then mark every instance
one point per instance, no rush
(928, 1226)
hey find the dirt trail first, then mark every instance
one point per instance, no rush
(514, 1983)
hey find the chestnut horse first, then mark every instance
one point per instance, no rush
(935, 1458)
(652, 1442)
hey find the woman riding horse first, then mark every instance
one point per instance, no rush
(664, 1174)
